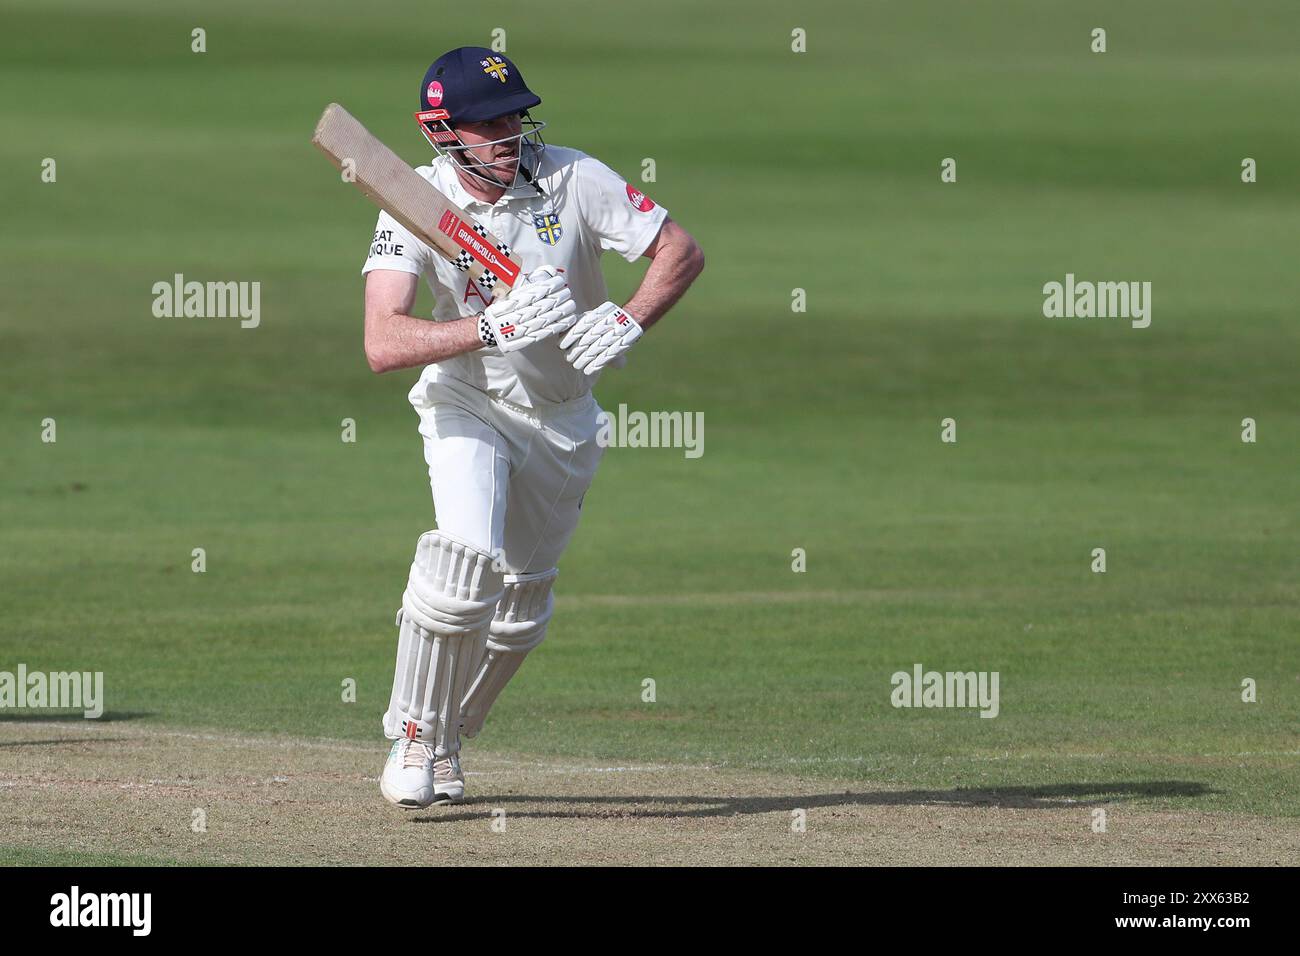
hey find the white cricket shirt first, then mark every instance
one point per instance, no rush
(587, 209)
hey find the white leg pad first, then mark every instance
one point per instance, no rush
(451, 594)
(518, 626)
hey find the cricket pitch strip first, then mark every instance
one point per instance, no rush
(76, 792)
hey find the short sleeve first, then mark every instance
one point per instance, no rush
(393, 247)
(623, 218)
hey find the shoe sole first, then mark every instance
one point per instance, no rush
(456, 795)
(410, 803)
(405, 803)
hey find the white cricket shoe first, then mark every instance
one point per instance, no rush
(407, 780)
(415, 778)
(448, 781)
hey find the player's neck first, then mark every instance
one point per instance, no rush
(479, 189)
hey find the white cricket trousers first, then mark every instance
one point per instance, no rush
(506, 478)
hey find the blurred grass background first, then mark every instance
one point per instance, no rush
(817, 171)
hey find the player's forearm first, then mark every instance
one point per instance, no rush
(673, 269)
(396, 341)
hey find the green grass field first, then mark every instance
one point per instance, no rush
(817, 171)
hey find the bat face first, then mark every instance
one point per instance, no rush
(413, 201)
(492, 254)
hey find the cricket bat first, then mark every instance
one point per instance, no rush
(413, 201)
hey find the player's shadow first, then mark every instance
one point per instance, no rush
(70, 716)
(599, 807)
(61, 742)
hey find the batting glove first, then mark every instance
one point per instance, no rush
(539, 306)
(598, 337)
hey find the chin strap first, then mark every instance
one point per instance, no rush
(528, 177)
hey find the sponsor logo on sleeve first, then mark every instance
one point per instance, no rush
(384, 245)
(639, 200)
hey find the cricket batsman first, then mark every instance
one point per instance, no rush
(505, 406)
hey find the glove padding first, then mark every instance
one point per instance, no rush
(598, 337)
(539, 306)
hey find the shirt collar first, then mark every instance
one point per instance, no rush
(457, 193)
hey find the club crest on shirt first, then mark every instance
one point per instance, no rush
(548, 228)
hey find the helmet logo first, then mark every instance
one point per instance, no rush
(495, 66)
(434, 93)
